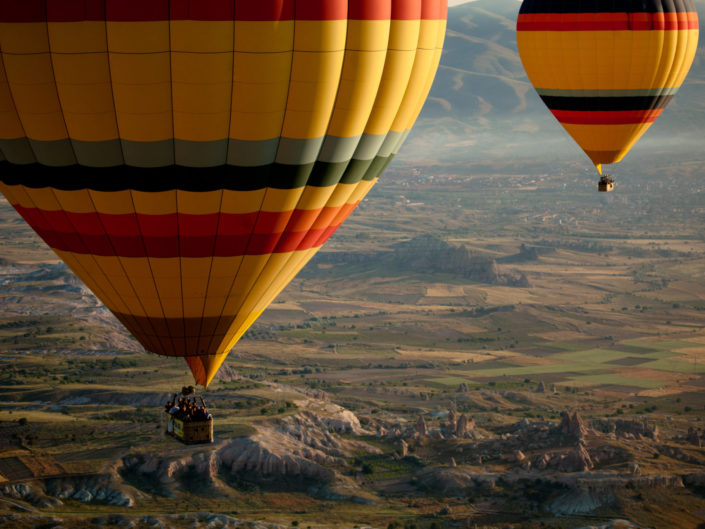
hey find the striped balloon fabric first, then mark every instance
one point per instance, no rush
(186, 158)
(607, 68)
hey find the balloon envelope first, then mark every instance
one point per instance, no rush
(187, 158)
(605, 69)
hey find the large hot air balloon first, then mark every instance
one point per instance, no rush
(606, 69)
(186, 158)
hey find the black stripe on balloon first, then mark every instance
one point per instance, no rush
(606, 103)
(232, 178)
(167, 178)
(606, 6)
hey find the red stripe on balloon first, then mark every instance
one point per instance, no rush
(370, 9)
(75, 10)
(434, 10)
(264, 10)
(616, 117)
(321, 9)
(607, 21)
(406, 9)
(201, 10)
(136, 10)
(23, 11)
(342, 215)
(182, 235)
(172, 247)
(20, 11)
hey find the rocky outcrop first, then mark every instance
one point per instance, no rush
(226, 373)
(465, 427)
(454, 481)
(681, 455)
(694, 437)
(566, 494)
(421, 427)
(451, 422)
(194, 520)
(103, 489)
(342, 422)
(589, 493)
(696, 480)
(575, 460)
(166, 474)
(607, 454)
(582, 500)
(594, 481)
(430, 254)
(616, 524)
(49, 493)
(403, 448)
(30, 492)
(262, 458)
(629, 430)
(572, 425)
(526, 254)
(299, 452)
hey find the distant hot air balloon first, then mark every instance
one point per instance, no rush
(186, 158)
(607, 69)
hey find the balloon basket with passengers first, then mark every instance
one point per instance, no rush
(606, 184)
(186, 420)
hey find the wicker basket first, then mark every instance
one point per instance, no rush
(192, 432)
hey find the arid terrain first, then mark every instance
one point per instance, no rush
(479, 351)
(487, 343)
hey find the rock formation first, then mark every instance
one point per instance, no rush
(616, 524)
(403, 448)
(451, 422)
(430, 254)
(464, 427)
(226, 373)
(421, 427)
(575, 460)
(628, 429)
(300, 451)
(694, 437)
(681, 455)
(572, 425)
(48, 494)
